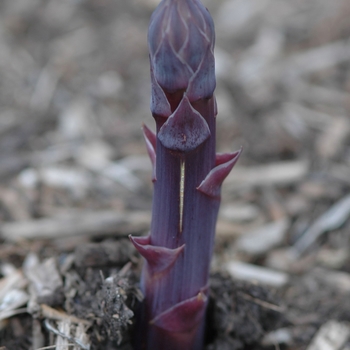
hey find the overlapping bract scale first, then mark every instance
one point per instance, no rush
(159, 259)
(185, 129)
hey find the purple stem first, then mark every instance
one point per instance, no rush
(187, 178)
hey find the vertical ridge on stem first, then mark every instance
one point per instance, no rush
(182, 194)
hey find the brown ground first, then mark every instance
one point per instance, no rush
(75, 178)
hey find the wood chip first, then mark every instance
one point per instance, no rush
(15, 206)
(65, 339)
(14, 280)
(335, 279)
(330, 141)
(81, 336)
(262, 239)
(277, 174)
(37, 334)
(340, 172)
(45, 280)
(227, 229)
(333, 258)
(249, 272)
(12, 294)
(239, 212)
(278, 336)
(319, 58)
(332, 219)
(53, 314)
(45, 88)
(79, 224)
(331, 336)
(64, 329)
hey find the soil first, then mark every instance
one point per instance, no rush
(101, 281)
(239, 313)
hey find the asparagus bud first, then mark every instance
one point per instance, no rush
(181, 43)
(187, 178)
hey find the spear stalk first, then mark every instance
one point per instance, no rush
(187, 177)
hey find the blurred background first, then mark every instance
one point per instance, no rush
(75, 90)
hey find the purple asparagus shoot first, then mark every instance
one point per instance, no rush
(187, 178)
